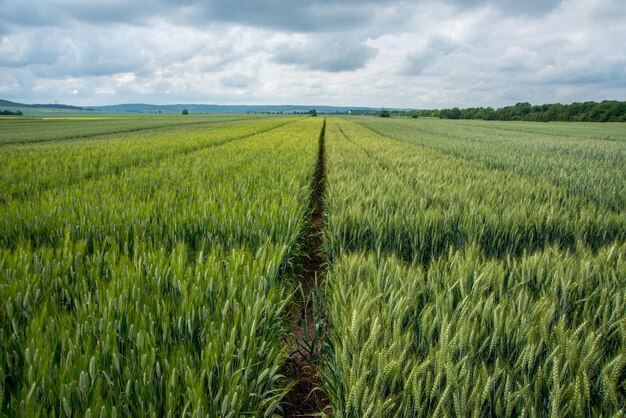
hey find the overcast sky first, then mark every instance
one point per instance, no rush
(418, 54)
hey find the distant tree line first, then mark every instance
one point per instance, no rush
(606, 111)
(10, 113)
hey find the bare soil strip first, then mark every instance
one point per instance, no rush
(304, 400)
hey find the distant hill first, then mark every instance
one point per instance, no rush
(213, 108)
(199, 108)
(7, 103)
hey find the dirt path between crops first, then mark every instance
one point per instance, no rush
(303, 400)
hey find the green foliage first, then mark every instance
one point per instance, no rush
(313, 112)
(417, 202)
(475, 269)
(154, 287)
(461, 284)
(10, 113)
(31, 131)
(454, 113)
(539, 335)
(34, 168)
(606, 111)
(384, 113)
(554, 153)
(185, 112)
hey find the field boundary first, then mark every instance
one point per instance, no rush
(305, 398)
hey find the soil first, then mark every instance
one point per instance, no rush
(305, 399)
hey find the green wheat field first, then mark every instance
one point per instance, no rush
(149, 265)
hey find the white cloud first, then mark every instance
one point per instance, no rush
(331, 53)
(429, 53)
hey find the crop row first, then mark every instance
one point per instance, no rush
(539, 335)
(416, 203)
(31, 169)
(587, 160)
(32, 131)
(459, 290)
(158, 291)
(200, 198)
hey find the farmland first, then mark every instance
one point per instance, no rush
(477, 269)
(142, 272)
(152, 265)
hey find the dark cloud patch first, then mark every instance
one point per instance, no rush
(511, 7)
(286, 15)
(62, 12)
(610, 10)
(4, 29)
(292, 15)
(325, 54)
(418, 61)
(119, 11)
(365, 16)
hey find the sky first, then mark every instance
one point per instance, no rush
(383, 53)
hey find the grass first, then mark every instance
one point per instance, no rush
(466, 283)
(584, 159)
(154, 287)
(470, 268)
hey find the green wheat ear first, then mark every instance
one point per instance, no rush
(155, 278)
(510, 292)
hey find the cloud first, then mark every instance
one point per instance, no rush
(325, 53)
(237, 80)
(274, 14)
(609, 10)
(291, 15)
(512, 7)
(416, 62)
(284, 15)
(423, 53)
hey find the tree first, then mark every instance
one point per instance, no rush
(10, 113)
(313, 112)
(384, 113)
(185, 112)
